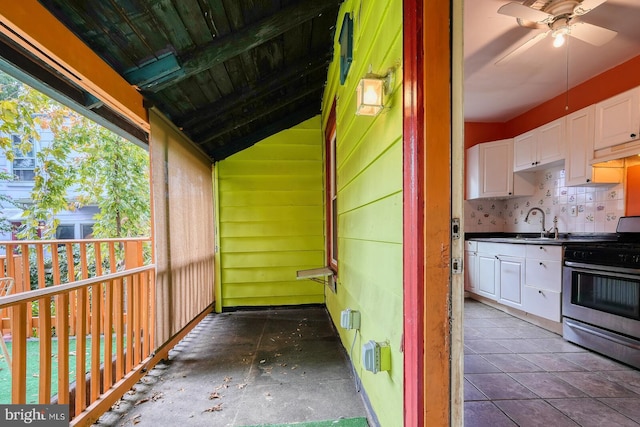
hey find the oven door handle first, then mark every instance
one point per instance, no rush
(606, 268)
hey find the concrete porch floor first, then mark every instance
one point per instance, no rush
(247, 368)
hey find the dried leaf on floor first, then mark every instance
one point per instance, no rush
(181, 389)
(227, 379)
(263, 360)
(157, 396)
(141, 401)
(241, 386)
(136, 419)
(215, 408)
(214, 395)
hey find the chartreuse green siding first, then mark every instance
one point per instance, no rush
(369, 180)
(271, 219)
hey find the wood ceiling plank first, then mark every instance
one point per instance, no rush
(316, 63)
(69, 15)
(194, 22)
(302, 113)
(294, 45)
(164, 13)
(260, 110)
(246, 39)
(216, 17)
(235, 71)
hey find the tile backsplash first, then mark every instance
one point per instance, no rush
(594, 209)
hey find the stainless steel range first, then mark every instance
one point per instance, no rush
(601, 294)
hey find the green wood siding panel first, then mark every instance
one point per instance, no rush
(271, 216)
(369, 182)
(271, 198)
(272, 243)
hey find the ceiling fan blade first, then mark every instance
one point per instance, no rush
(523, 47)
(591, 34)
(518, 10)
(587, 6)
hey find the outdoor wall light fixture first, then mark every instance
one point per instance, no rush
(371, 92)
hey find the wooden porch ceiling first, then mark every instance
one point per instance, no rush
(227, 72)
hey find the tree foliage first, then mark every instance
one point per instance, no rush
(102, 168)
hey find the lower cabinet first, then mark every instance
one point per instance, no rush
(524, 276)
(511, 280)
(542, 302)
(488, 275)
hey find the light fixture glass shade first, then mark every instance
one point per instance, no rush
(370, 96)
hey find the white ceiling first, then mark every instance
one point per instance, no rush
(500, 93)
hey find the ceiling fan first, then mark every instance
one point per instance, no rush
(561, 18)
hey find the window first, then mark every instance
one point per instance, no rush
(86, 231)
(331, 191)
(24, 162)
(65, 232)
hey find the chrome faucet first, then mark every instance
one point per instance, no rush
(526, 219)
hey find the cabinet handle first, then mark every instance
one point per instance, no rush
(533, 163)
(588, 180)
(633, 135)
(540, 292)
(541, 263)
(496, 256)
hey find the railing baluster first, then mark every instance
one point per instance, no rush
(118, 315)
(96, 304)
(71, 277)
(19, 353)
(44, 329)
(81, 350)
(26, 278)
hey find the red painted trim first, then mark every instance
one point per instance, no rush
(328, 133)
(413, 193)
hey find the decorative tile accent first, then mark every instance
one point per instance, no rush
(598, 208)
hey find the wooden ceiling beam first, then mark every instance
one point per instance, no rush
(244, 40)
(215, 132)
(222, 152)
(252, 93)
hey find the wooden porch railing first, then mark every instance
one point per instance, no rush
(99, 291)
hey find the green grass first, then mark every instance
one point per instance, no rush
(33, 367)
(342, 422)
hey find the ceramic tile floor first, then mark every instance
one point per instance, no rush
(517, 374)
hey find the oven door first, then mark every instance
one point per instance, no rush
(603, 296)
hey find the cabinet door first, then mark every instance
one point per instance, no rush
(470, 271)
(497, 168)
(511, 279)
(580, 136)
(524, 151)
(487, 275)
(618, 119)
(551, 142)
(542, 302)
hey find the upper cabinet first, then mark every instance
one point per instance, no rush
(540, 147)
(618, 119)
(490, 172)
(578, 163)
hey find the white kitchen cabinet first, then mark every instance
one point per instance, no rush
(489, 172)
(500, 265)
(617, 119)
(543, 281)
(539, 147)
(488, 275)
(470, 266)
(578, 167)
(512, 270)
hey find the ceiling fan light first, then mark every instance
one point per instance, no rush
(558, 40)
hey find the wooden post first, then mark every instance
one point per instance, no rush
(19, 353)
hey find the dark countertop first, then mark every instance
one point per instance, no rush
(535, 239)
